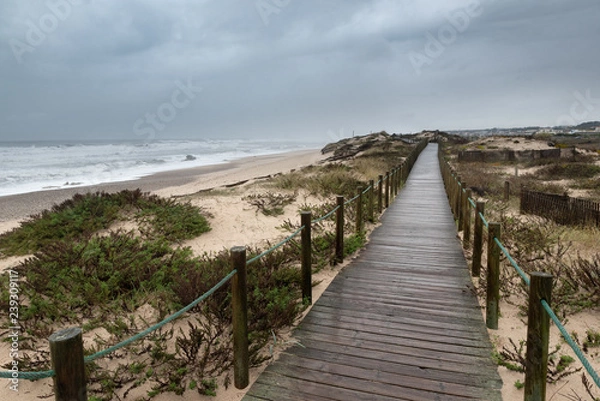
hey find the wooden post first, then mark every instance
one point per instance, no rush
(380, 194)
(457, 197)
(359, 213)
(477, 240)
(339, 231)
(538, 333)
(467, 220)
(371, 202)
(66, 351)
(402, 177)
(506, 191)
(493, 277)
(462, 196)
(239, 303)
(306, 221)
(387, 189)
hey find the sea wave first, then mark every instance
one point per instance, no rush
(30, 167)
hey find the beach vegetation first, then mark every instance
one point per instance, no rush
(84, 215)
(271, 204)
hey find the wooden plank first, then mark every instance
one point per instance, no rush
(401, 322)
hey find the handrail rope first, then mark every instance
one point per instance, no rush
(273, 248)
(90, 358)
(512, 261)
(472, 202)
(483, 220)
(320, 219)
(367, 189)
(174, 316)
(352, 200)
(572, 343)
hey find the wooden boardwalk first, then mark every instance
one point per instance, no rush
(400, 322)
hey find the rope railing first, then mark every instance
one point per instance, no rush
(396, 176)
(275, 247)
(456, 192)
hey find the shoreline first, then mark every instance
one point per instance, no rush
(16, 208)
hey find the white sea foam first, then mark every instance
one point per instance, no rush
(29, 167)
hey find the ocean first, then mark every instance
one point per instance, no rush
(45, 165)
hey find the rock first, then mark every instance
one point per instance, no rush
(190, 158)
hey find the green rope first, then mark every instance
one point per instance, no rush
(27, 375)
(320, 219)
(485, 223)
(90, 358)
(352, 200)
(472, 203)
(366, 190)
(512, 261)
(572, 343)
(272, 249)
(160, 324)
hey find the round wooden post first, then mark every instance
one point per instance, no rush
(387, 189)
(402, 177)
(538, 334)
(506, 191)
(477, 240)
(493, 277)
(380, 194)
(359, 213)
(239, 302)
(66, 351)
(467, 220)
(306, 221)
(461, 210)
(371, 202)
(339, 231)
(457, 197)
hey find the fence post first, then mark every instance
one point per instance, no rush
(359, 213)
(239, 303)
(339, 231)
(461, 207)
(66, 351)
(506, 191)
(456, 197)
(467, 220)
(387, 189)
(402, 179)
(493, 277)
(306, 221)
(380, 194)
(477, 240)
(371, 211)
(538, 333)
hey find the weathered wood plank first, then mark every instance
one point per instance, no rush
(401, 322)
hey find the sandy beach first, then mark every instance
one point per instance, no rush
(178, 182)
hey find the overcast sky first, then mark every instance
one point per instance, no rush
(293, 69)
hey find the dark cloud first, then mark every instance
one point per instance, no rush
(292, 69)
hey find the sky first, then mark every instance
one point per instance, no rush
(292, 69)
